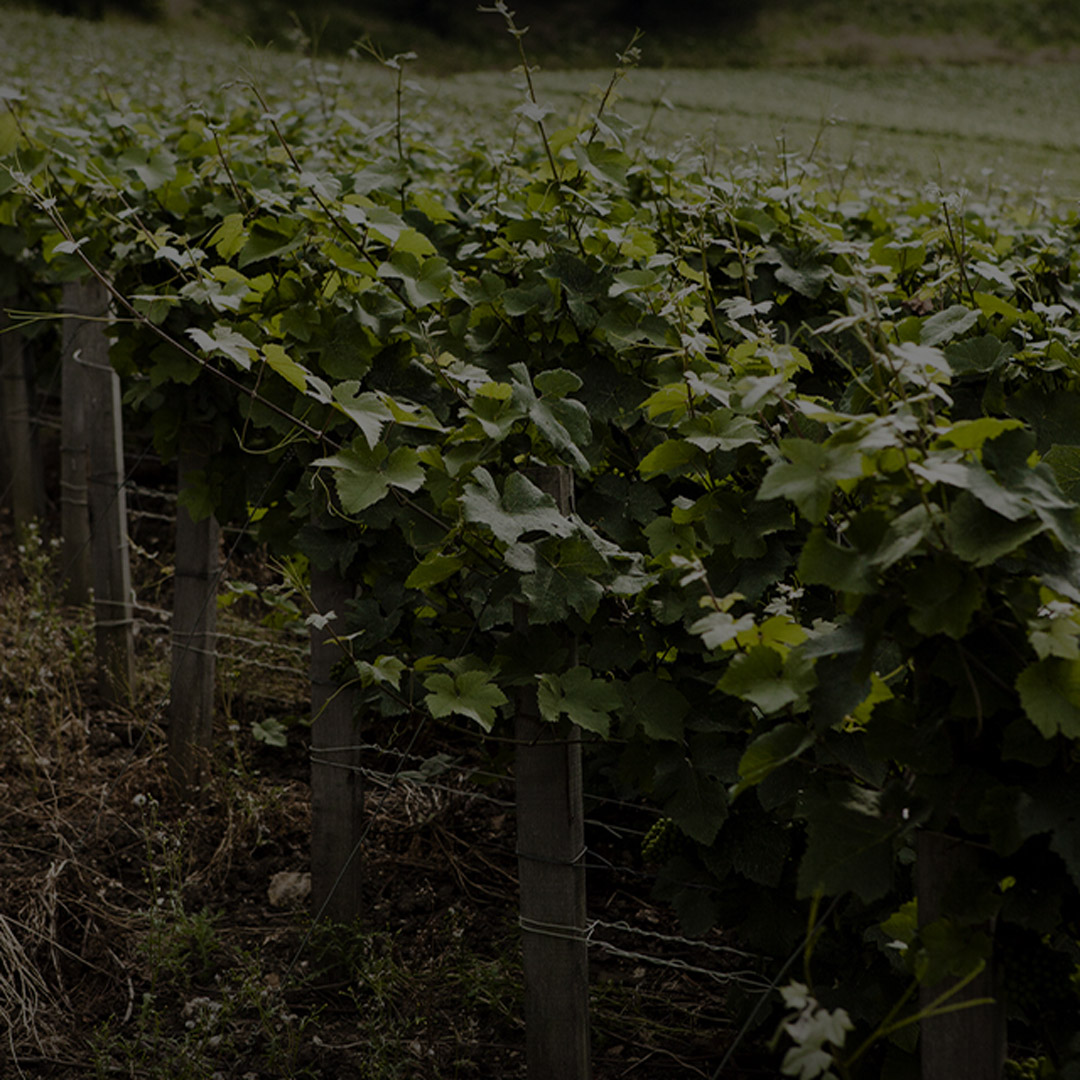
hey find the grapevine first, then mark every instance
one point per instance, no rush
(823, 554)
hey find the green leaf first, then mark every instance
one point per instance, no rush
(522, 508)
(719, 627)
(906, 533)
(943, 598)
(385, 670)
(657, 707)
(413, 242)
(631, 281)
(563, 581)
(1053, 807)
(1054, 414)
(824, 562)
(382, 221)
(673, 457)
(471, 694)
(563, 422)
(994, 495)
(270, 238)
(365, 409)
(403, 470)
(721, 429)
(287, 368)
(948, 950)
(172, 365)
(1055, 636)
(768, 752)
(434, 568)
(903, 924)
(772, 683)
(849, 845)
(980, 536)
(522, 299)
(362, 476)
(230, 236)
(271, 732)
(226, 342)
(1065, 461)
(977, 356)
(602, 162)
(971, 434)
(806, 277)
(695, 800)
(759, 222)
(809, 478)
(154, 169)
(587, 701)
(947, 324)
(1050, 694)
(557, 383)
(196, 497)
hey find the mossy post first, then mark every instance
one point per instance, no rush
(113, 610)
(968, 1042)
(194, 629)
(551, 870)
(84, 303)
(337, 790)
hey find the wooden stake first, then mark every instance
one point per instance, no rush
(84, 301)
(337, 790)
(194, 633)
(23, 493)
(969, 1043)
(551, 872)
(108, 522)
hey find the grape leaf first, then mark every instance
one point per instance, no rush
(1050, 694)
(809, 478)
(849, 845)
(471, 694)
(769, 751)
(587, 701)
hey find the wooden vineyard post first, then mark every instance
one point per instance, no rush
(551, 872)
(81, 302)
(337, 789)
(23, 492)
(108, 516)
(969, 1043)
(194, 632)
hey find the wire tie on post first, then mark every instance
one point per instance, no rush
(555, 930)
(575, 861)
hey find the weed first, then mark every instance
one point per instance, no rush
(45, 652)
(203, 1010)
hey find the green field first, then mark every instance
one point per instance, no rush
(1006, 127)
(947, 124)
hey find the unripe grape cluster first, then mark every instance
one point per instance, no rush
(663, 840)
